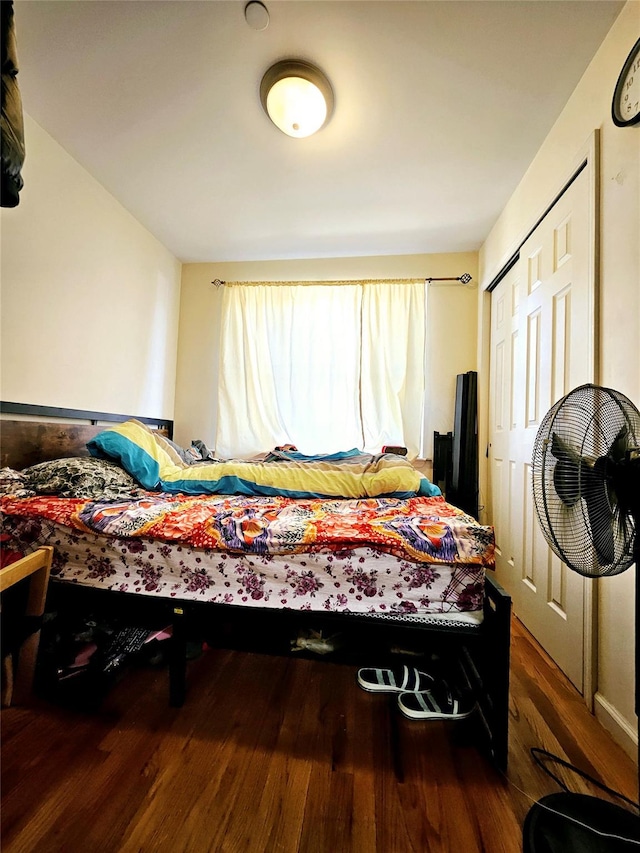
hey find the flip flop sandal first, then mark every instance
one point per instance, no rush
(399, 680)
(438, 703)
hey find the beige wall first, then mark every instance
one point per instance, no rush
(451, 333)
(90, 300)
(619, 333)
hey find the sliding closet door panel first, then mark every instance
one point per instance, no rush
(542, 346)
(505, 401)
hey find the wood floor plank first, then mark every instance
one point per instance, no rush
(548, 712)
(284, 755)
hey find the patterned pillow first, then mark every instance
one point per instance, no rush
(81, 477)
(14, 483)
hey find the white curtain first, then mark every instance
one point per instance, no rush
(289, 369)
(324, 367)
(393, 365)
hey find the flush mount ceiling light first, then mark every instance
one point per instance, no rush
(297, 97)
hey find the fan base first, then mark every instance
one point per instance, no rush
(564, 822)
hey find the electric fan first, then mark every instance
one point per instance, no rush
(586, 490)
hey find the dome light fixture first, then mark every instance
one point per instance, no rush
(297, 97)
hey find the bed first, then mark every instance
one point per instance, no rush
(351, 542)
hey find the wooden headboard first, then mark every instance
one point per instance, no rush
(47, 432)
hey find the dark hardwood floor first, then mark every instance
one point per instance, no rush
(284, 754)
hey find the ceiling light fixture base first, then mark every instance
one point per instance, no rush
(297, 96)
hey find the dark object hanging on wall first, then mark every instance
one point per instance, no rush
(11, 122)
(462, 491)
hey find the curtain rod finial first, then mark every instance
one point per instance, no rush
(217, 282)
(465, 278)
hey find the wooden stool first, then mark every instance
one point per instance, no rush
(37, 567)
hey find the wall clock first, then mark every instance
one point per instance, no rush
(625, 107)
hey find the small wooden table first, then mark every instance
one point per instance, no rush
(37, 567)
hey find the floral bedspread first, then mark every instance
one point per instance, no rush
(419, 529)
(403, 558)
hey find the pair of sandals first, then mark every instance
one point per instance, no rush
(420, 695)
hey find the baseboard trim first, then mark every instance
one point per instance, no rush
(618, 726)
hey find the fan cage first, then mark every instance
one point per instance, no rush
(588, 525)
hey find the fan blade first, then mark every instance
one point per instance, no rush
(573, 473)
(620, 445)
(566, 474)
(601, 515)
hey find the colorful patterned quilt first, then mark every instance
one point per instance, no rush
(420, 529)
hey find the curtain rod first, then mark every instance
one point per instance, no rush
(465, 278)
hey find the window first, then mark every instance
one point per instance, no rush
(325, 367)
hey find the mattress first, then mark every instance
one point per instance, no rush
(420, 558)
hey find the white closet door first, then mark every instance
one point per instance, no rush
(543, 332)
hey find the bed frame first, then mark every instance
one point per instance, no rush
(481, 653)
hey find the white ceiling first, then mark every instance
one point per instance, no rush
(440, 107)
